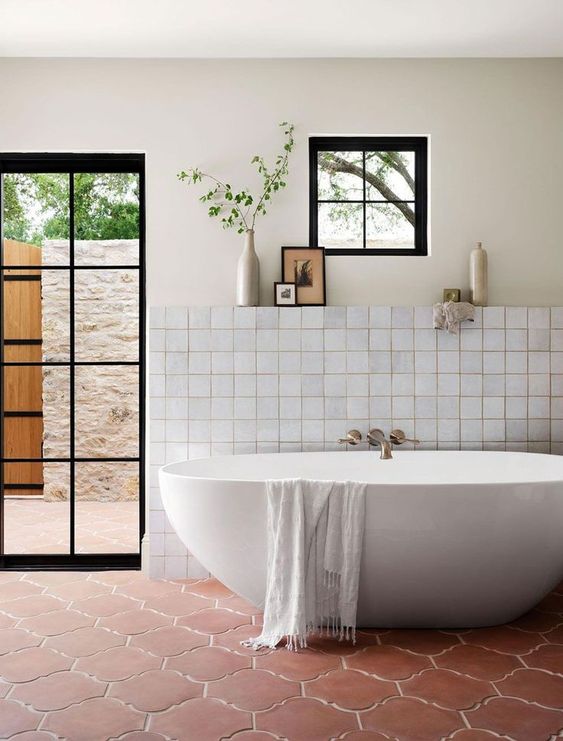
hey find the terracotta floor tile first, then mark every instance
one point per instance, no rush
(253, 736)
(447, 689)
(208, 663)
(516, 719)
(58, 691)
(14, 718)
(38, 604)
(471, 734)
(237, 604)
(534, 685)
(303, 719)
(350, 689)
(328, 645)
(297, 665)
(214, 621)
(537, 622)
(106, 604)
(7, 576)
(411, 720)
(201, 719)
(31, 663)
(6, 621)
(116, 578)
(232, 640)
(145, 589)
(52, 578)
(209, 588)
(13, 639)
(57, 623)
(555, 635)
(178, 604)
(548, 657)
(84, 641)
(158, 665)
(17, 589)
(425, 642)
(33, 736)
(94, 720)
(478, 662)
(552, 603)
(79, 590)
(155, 690)
(169, 641)
(504, 639)
(117, 663)
(388, 662)
(134, 622)
(253, 689)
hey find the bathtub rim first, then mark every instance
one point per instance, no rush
(167, 469)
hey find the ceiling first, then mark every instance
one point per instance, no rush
(281, 28)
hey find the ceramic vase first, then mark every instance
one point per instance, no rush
(248, 273)
(478, 276)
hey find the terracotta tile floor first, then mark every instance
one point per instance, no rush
(112, 655)
(35, 526)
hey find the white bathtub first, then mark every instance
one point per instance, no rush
(452, 539)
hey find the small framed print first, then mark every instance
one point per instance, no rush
(305, 266)
(285, 294)
(452, 294)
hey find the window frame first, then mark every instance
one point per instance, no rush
(416, 144)
(72, 163)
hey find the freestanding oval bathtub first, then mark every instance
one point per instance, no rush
(452, 539)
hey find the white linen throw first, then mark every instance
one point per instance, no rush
(315, 534)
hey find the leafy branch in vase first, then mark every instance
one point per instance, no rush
(239, 209)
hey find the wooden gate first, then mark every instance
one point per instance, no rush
(23, 385)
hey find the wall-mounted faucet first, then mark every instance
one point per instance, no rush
(376, 437)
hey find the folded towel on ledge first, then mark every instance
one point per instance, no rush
(315, 535)
(449, 315)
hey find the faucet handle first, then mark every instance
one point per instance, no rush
(353, 437)
(398, 437)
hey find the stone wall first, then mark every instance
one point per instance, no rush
(106, 306)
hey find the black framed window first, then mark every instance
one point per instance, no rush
(369, 195)
(72, 360)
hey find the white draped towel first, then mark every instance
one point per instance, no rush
(315, 536)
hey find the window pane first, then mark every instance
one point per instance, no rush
(35, 318)
(37, 516)
(106, 305)
(390, 176)
(340, 176)
(107, 411)
(106, 218)
(36, 218)
(341, 225)
(389, 227)
(36, 411)
(107, 507)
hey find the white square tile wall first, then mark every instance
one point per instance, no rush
(242, 380)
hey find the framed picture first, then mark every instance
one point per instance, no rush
(305, 266)
(285, 294)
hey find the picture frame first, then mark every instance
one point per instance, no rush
(305, 266)
(451, 294)
(285, 294)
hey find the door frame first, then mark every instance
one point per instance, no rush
(72, 163)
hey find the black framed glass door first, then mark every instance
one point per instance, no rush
(72, 359)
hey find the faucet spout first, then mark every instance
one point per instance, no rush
(377, 437)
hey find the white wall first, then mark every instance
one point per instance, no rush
(496, 130)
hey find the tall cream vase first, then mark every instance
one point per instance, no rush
(248, 273)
